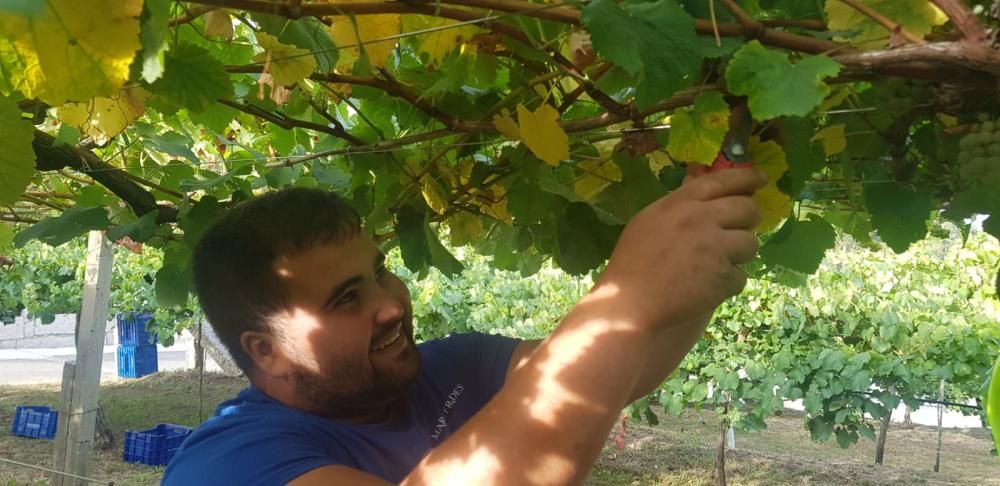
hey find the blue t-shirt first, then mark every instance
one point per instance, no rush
(253, 439)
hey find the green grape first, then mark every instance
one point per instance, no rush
(967, 143)
(983, 117)
(993, 149)
(986, 127)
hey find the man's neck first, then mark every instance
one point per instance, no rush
(286, 393)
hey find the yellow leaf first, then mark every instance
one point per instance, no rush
(775, 206)
(833, 139)
(286, 64)
(437, 45)
(218, 22)
(946, 120)
(542, 134)
(72, 49)
(696, 134)
(917, 16)
(365, 31)
(103, 118)
(658, 160)
(506, 125)
(465, 228)
(433, 193)
(496, 206)
(597, 176)
(836, 97)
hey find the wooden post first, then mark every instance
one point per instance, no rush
(937, 460)
(65, 397)
(77, 436)
(721, 460)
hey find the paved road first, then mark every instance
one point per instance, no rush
(32, 366)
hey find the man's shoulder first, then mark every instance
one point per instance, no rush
(252, 440)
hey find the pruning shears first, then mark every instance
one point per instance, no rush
(735, 153)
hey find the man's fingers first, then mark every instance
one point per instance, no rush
(735, 212)
(741, 246)
(723, 183)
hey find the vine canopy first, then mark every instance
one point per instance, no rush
(530, 130)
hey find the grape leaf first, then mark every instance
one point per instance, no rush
(103, 118)
(6, 235)
(154, 36)
(434, 194)
(82, 49)
(637, 189)
(308, 33)
(219, 23)
(899, 213)
(833, 139)
(916, 16)
(584, 241)
(174, 280)
(597, 175)
(58, 230)
(696, 134)
(437, 45)
(286, 64)
(542, 134)
(804, 156)
(363, 31)
(17, 159)
(440, 257)
(775, 206)
(412, 239)
(800, 245)
(539, 130)
(139, 230)
(774, 85)
(655, 41)
(193, 79)
(196, 220)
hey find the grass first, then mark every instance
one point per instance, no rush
(679, 451)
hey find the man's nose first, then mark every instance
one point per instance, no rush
(389, 311)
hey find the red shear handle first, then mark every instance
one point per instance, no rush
(720, 163)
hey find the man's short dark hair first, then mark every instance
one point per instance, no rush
(233, 262)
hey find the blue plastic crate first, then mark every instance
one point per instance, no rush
(35, 422)
(135, 361)
(156, 446)
(132, 328)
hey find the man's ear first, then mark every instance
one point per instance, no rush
(266, 353)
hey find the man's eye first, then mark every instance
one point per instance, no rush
(348, 298)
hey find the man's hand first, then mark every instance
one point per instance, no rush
(676, 260)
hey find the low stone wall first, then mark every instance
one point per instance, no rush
(27, 333)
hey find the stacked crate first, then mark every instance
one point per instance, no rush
(136, 345)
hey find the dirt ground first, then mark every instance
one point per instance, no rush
(679, 451)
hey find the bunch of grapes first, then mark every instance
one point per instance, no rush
(979, 152)
(898, 95)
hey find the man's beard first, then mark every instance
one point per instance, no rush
(352, 391)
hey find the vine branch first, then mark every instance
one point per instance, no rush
(884, 21)
(963, 18)
(290, 123)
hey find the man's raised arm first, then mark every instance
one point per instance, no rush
(675, 262)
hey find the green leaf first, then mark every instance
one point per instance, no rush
(846, 438)
(584, 241)
(173, 284)
(819, 428)
(655, 41)
(800, 245)
(195, 221)
(140, 230)
(193, 79)
(71, 223)
(68, 135)
(774, 85)
(867, 431)
(6, 235)
(651, 417)
(440, 256)
(899, 213)
(805, 156)
(412, 239)
(17, 159)
(637, 189)
(308, 33)
(154, 36)
(696, 134)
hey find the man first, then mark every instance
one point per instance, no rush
(340, 394)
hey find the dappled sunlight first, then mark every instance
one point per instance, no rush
(576, 380)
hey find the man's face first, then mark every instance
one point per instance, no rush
(348, 333)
